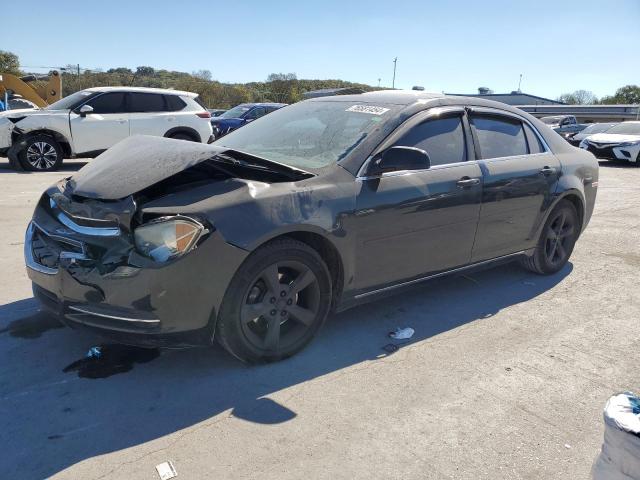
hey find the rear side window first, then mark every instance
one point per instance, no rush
(535, 145)
(499, 136)
(146, 102)
(174, 103)
(443, 139)
(108, 103)
(199, 101)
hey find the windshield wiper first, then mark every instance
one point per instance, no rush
(235, 158)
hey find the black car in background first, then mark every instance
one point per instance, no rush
(254, 240)
(592, 129)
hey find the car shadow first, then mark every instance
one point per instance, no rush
(616, 164)
(67, 166)
(53, 420)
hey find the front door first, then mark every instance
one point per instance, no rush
(414, 223)
(520, 178)
(102, 128)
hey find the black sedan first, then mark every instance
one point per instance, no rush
(252, 241)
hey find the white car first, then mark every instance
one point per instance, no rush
(88, 122)
(620, 142)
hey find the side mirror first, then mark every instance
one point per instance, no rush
(401, 158)
(85, 109)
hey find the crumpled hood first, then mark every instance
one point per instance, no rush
(613, 138)
(28, 112)
(136, 163)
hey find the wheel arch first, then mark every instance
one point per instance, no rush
(327, 250)
(62, 140)
(193, 133)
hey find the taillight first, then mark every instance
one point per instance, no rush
(204, 114)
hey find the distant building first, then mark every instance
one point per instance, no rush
(544, 107)
(515, 98)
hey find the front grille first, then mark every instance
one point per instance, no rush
(604, 152)
(46, 248)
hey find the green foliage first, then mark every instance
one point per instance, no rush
(624, 95)
(579, 97)
(279, 87)
(9, 63)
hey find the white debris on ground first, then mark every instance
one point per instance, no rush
(166, 470)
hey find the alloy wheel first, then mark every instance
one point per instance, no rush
(41, 155)
(280, 306)
(558, 238)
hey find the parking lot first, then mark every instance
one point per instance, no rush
(505, 377)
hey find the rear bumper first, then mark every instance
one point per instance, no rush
(142, 303)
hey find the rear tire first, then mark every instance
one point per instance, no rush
(276, 302)
(40, 153)
(556, 241)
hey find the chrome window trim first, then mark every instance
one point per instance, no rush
(400, 173)
(91, 231)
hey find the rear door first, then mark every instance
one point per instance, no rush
(149, 115)
(104, 127)
(417, 222)
(520, 177)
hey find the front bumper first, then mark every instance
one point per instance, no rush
(6, 127)
(139, 301)
(615, 152)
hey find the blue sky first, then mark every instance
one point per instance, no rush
(452, 46)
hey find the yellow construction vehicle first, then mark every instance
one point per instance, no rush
(30, 91)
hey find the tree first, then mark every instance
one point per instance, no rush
(9, 63)
(629, 94)
(283, 87)
(579, 97)
(203, 74)
(145, 71)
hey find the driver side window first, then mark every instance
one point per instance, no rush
(443, 139)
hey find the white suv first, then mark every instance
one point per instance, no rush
(88, 122)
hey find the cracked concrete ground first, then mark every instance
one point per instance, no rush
(506, 376)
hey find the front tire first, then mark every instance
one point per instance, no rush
(40, 153)
(556, 241)
(276, 302)
(182, 136)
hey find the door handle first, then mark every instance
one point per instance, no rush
(547, 171)
(466, 182)
(122, 121)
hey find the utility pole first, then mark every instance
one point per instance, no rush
(519, 83)
(393, 83)
(78, 71)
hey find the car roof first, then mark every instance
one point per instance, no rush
(165, 91)
(263, 104)
(395, 97)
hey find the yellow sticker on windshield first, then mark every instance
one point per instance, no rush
(370, 109)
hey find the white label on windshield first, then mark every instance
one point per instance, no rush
(371, 109)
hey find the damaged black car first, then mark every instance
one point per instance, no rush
(254, 240)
